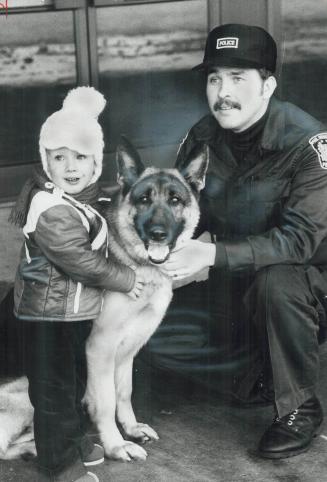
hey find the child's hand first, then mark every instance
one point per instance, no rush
(138, 286)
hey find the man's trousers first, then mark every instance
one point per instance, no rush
(232, 329)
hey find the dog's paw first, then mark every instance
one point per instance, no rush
(26, 450)
(126, 452)
(142, 432)
(4, 443)
(29, 451)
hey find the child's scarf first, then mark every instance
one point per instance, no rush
(39, 181)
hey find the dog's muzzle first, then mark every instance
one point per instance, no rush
(158, 253)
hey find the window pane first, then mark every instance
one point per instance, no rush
(28, 3)
(145, 56)
(304, 55)
(37, 67)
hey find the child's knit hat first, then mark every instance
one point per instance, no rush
(75, 126)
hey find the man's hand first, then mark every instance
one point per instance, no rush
(138, 286)
(189, 259)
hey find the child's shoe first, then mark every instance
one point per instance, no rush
(95, 457)
(88, 477)
(75, 473)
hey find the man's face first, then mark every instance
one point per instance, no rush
(236, 97)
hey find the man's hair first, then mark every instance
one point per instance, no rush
(265, 73)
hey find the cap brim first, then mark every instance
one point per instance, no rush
(198, 67)
(228, 62)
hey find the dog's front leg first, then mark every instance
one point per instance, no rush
(125, 414)
(114, 444)
(100, 396)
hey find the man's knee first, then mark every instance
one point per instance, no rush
(281, 294)
(283, 297)
(279, 283)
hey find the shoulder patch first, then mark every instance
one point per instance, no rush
(319, 145)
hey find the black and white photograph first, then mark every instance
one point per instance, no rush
(163, 241)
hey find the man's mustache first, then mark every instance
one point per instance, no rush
(226, 103)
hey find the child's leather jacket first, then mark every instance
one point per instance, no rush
(63, 268)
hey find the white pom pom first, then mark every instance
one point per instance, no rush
(86, 100)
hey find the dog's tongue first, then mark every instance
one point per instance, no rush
(157, 253)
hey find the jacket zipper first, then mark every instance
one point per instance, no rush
(77, 297)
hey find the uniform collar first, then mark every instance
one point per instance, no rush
(274, 130)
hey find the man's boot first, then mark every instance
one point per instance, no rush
(292, 434)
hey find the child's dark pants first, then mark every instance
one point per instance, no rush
(55, 363)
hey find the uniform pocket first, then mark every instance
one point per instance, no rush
(255, 205)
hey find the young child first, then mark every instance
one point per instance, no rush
(60, 279)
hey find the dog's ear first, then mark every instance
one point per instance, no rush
(129, 164)
(194, 171)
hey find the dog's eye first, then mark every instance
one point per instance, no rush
(144, 199)
(175, 200)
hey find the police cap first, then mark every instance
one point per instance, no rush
(238, 45)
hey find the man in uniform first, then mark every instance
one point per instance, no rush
(264, 205)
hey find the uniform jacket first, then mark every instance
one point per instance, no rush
(63, 268)
(271, 208)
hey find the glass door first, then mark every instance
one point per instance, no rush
(304, 55)
(37, 67)
(145, 54)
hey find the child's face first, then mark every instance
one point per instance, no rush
(70, 170)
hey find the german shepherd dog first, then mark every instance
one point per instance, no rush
(154, 211)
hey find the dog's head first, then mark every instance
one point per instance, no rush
(159, 207)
